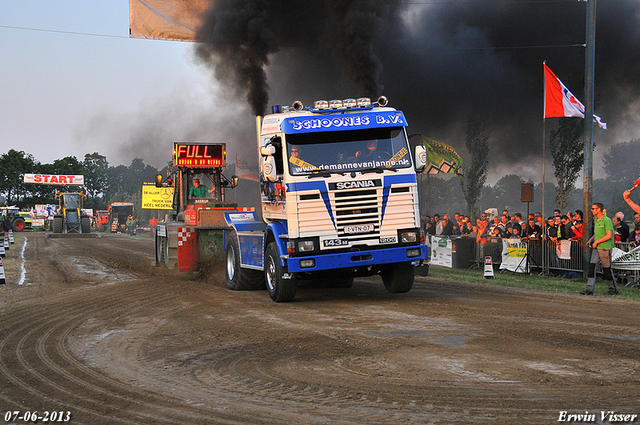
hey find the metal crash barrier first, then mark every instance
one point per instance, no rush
(532, 255)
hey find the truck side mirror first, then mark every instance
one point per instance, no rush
(158, 180)
(420, 158)
(267, 150)
(269, 168)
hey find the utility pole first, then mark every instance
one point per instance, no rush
(588, 127)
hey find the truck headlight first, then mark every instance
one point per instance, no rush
(306, 246)
(410, 236)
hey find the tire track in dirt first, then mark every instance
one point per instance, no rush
(146, 345)
(48, 374)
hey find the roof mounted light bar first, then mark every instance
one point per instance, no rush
(331, 106)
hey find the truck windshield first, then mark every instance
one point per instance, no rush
(346, 151)
(71, 201)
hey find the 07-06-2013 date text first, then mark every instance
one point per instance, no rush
(33, 417)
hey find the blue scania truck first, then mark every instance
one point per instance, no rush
(339, 199)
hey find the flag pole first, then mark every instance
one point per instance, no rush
(588, 129)
(544, 137)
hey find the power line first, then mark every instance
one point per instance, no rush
(474, 1)
(63, 32)
(520, 47)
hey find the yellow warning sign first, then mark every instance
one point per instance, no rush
(156, 198)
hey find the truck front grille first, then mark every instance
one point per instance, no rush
(357, 208)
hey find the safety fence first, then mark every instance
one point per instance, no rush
(531, 255)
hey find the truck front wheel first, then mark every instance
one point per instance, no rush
(85, 223)
(279, 288)
(239, 279)
(57, 225)
(398, 278)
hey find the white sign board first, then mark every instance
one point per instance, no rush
(54, 179)
(625, 260)
(514, 252)
(441, 251)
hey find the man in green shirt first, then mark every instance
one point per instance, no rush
(602, 244)
(198, 191)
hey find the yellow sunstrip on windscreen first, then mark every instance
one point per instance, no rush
(395, 158)
(302, 164)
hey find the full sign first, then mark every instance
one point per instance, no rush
(54, 179)
(199, 155)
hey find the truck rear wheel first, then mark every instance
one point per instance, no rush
(398, 278)
(280, 289)
(18, 225)
(238, 278)
(161, 245)
(57, 224)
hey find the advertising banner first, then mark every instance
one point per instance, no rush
(441, 251)
(54, 179)
(563, 249)
(621, 260)
(166, 20)
(514, 252)
(156, 198)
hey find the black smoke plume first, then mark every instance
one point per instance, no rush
(437, 60)
(239, 36)
(237, 41)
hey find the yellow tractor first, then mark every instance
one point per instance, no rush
(70, 218)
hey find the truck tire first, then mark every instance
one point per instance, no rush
(85, 222)
(398, 278)
(57, 225)
(17, 225)
(238, 278)
(280, 289)
(161, 248)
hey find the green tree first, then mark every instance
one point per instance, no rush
(115, 188)
(509, 193)
(475, 174)
(96, 178)
(567, 148)
(125, 183)
(620, 162)
(13, 166)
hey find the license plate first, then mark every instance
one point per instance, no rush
(363, 228)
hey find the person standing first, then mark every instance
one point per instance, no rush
(620, 230)
(438, 224)
(602, 244)
(624, 227)
(447, 226)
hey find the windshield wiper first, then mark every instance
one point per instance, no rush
(378, 170)
(323, 175)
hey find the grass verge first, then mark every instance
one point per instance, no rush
(534, 281)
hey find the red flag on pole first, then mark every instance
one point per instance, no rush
(560, 102)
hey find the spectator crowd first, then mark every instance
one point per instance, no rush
(555, 228)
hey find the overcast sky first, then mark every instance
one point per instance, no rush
(72, 81)
(70, 73)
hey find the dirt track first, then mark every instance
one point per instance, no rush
(96, 330)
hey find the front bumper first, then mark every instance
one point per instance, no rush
(358, 258)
